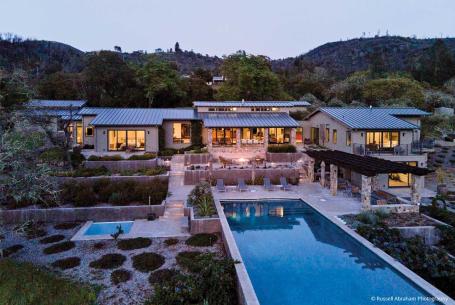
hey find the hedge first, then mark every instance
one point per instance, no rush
(284, 148)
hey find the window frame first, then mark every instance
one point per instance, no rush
(334, 136)
(89, 128)
(127, 141)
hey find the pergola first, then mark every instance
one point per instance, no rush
(368, 168)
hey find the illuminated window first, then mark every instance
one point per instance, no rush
(334, 136)
(224, 136)
(348, 138)
(126, 139)
(181, 133)
(252, 135)
(383, 139)
(314, 136)
(89, 131)
(299, 135)
(327, 135)
(400, 179)
(279, 135)
(79, 133)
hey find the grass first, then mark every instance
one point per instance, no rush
(202, 240)
(26, 284)
(171, 242)
(66, 225)
(11, 250)
(187, 259)
(148, 261)
(120, 276)
(52, 239)
(60, 247)
(162, 275)
(135, 243)
(67, 263)
(109, 261)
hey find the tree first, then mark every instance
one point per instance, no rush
(197, 90)
(14, 91)
(61, 86)
(162, 82)
(436, 65)
(118, 49)
(380, 90)
(177, 48)
(111, 82)
(350, 89)
(377, 63)
(249, 77)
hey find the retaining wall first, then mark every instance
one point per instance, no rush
(192, 177)
(196, 159)
(108, 213)
(429, 233)
(122, 165)
(397, 208)
(204, 225)
(283, 157)
(143, 179)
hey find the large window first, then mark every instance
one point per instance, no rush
(126, 139)
(348, 138)
(224, 136)
(314, 136)
(279, 135)
(89, 131)
(252, 135)
(181, 133)
(79, 133)
(299, 135)
(382, 139)
(400, 179)
(335, 136)
(327, 135)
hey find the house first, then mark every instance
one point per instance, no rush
(229, 125)
(388, 133)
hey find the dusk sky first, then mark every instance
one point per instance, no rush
(276, 29)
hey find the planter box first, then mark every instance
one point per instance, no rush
(283, 157)
(204, 225)
(196, 158)
(122, 164)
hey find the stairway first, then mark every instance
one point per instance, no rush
(173, 210)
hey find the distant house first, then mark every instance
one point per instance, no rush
(217, 80)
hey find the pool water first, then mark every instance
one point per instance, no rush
(294, 255)
(107, 228)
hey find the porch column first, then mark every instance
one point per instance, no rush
(366, 192)
(322, 180)
(311, 169)
(374, 183)
(416, 189)
(333, 179)
(238, 136)
(266, 137)
(293, 136)
(209, 137)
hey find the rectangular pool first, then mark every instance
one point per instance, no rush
(294, 255)
(107, 228)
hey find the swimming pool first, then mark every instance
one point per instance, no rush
(107, 228)
(294, 255)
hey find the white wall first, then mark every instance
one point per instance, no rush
(101, 137)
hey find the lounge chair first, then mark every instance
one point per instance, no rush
(267, 184)
(220, 185)
(241, 185)
(284, 184)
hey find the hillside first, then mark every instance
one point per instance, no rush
(345, 57)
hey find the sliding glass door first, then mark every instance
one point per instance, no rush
(119, 140)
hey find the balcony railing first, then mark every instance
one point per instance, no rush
(398, 150)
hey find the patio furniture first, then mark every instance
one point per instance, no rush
(241, 185)
(267, 185)
(284, 184)
(220, 185)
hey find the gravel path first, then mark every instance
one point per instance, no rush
(133, 292)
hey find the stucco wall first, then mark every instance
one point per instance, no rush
(168, 135)
(86, 119)
(151, 137)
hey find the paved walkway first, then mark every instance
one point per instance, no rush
(312, 193)
(179, 192)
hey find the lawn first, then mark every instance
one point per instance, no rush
(24, 283)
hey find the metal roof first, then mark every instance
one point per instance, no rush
(56, 103)
(250, 103)
(141, 116)
(93, 110)
(248, 120)
(372, 118)
(64, 114)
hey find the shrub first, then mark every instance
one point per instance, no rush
(120, 276)
(60, 247)
(24, 283)
(201, 189)
(202, 240)
(162, 275)
(52, 239)
(283, 148)
(85, 196)
(205, 206)
(91, 172)
(105, 158)
(168, 152)
(108, 261)
(145, 156)
(147, 261)
(188, 259)
(171, 241)
(76, 157)
(12, 249)
(443, 215)
(135, 243)
(55, 154)
(67, 263)
(66, 225)
(447, 238)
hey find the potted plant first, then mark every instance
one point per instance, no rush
(441, 177)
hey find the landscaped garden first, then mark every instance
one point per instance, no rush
(127, 271)
(201, 199)
(433, 263)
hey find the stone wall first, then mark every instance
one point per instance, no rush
(283, 157)
(397, 208)
(122, 165)
(192, 177)
(429, 233)
(108, 213)
(196, 158)
(204, 225)
(144, 179)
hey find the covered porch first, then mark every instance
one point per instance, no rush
(331, 162)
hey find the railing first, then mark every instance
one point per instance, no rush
(419, 147)
(398, 150)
